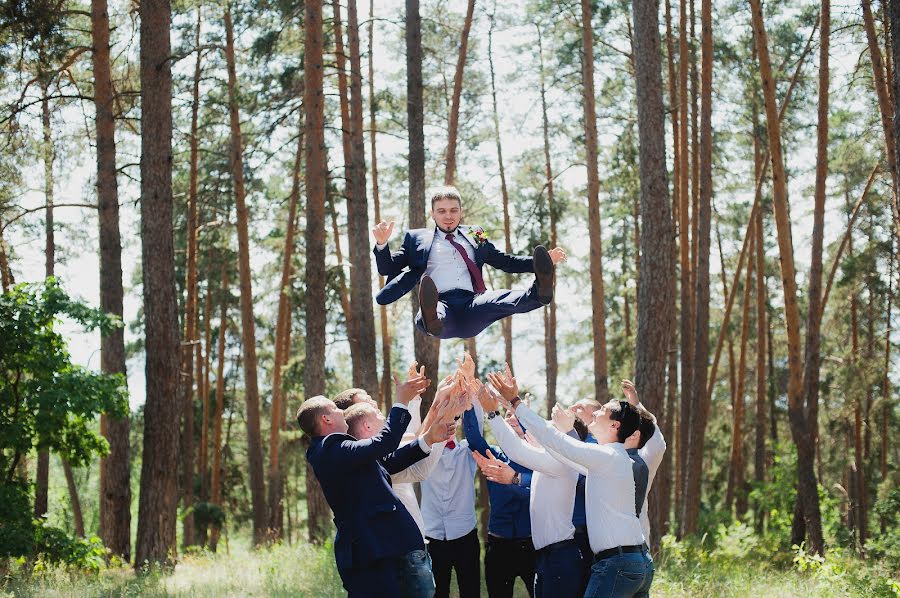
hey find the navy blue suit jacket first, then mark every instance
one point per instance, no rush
(405, 267)
(371, 521)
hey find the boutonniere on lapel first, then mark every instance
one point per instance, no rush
(479, 236)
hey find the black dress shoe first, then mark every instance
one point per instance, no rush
(543, 272)
(428, 301)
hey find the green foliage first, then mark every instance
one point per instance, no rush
(47, 402)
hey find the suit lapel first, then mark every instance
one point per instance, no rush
(429, 242)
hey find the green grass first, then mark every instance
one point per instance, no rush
(304, 570)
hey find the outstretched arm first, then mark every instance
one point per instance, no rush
(523, 453)
(591, 456)
(355, 452)
(389, 263)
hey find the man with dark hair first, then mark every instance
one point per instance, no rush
(378, 548)
(446, 263)
(352, 396)
(622, 564)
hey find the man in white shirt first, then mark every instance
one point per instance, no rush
(622, 565)
(558, 559)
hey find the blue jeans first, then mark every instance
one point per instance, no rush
(416, 579)
(622, 575)
(558, 571)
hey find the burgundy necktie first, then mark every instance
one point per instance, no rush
(450, 445)
(474, 272)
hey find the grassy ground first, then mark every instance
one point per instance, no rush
(308, 571)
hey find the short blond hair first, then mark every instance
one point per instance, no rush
(356, 414)
(445, 192)
(344, 399)
(309, 412)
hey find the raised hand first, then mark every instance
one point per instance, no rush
(557, 255)
(505, 384)
(382, 232)
(467, 367)
(631, 394)
(414, 385)
(494, 469)
(439, 431)
(488, 401)
(563, 419)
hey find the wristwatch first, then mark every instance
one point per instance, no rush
(517, 478)
(493, 414)
(514, 403)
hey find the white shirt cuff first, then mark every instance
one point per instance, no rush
(380, 247)
(401, 406)
(424, 445)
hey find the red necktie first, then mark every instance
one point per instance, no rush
(450, 445)
(474, 272)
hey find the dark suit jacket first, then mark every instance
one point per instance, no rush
(406, 266)
(371, 521)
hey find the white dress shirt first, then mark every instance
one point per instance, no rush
(446, 266)
(448, 495)
(552, 486)
(652, 454)
(403, 481)
(609, 487)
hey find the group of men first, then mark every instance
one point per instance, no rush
(567, 496)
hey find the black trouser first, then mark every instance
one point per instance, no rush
(461, 554)
(584, 545)
(505, 559)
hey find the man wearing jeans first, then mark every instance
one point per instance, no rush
(622, 564)
(378, 548)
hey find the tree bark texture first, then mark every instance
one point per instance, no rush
(315, 176)
(159, 485)
(453, 125)
(657, 273)
(427, 349)
(894, 9)
(115, 468)
(807, 487)
(216, 482)
(598, 319)
(248, 325)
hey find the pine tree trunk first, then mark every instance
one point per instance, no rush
(894, 9)
(316, 174)
(6, 277)
(77, 517)
(888, 116)
(505, 323)
(737, 494)
(217, 471)
(812, 357)
(656, 282)
(427, 349)
(358, 220)
(700, 415)
(186, 378)
(550, 351)
(887, 405)
(598, 315)
(159, 478)
(204, 359)
(282, 329)
(453, 127)
(684, 255)
(248, 326)
(807, 486)
(759, 457)
(115, 468)
(384, 389)
(42, 478)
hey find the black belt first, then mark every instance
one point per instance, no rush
(551, 548)
(605, 554)
(494, 538)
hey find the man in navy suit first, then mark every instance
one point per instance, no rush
(378, 548)
(447, 262)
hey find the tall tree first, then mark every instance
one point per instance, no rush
(598, 317)
(894, 9)
(657, 273)
(505, 323)
(315, 177)
(282, 332)
(813, 358)
(807, 487)
(427, 349)
(550, 351)
(187, 377)
(248, 325)
(358, 219)
(453, 126)
(159, 481)
(384, 390)
(216, 482)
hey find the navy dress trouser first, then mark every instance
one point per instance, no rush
(465, 314)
